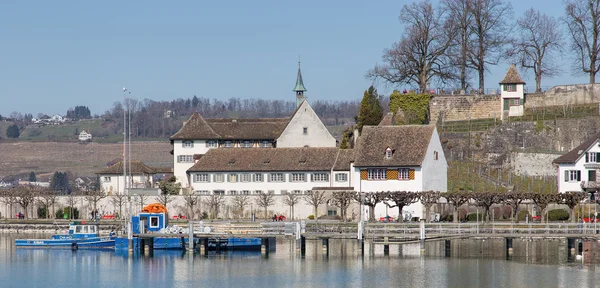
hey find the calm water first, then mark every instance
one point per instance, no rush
(535, 264)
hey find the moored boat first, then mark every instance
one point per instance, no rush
(80, 235)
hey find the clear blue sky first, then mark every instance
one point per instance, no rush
(59, 54)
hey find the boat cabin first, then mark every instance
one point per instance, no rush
(149, 222)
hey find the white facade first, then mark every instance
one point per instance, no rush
(583, 173)
(85, 136)
(305, 129)
(183, 157)
(113, 183)
(436, 178)
(513, 97)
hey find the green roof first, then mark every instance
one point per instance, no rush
(299, 82)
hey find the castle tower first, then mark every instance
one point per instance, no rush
(299, 88)
(512, 93)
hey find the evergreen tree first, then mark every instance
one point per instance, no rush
(32, 177)
(13, 131)
(370, 112)
(60, 182)
(195, 102)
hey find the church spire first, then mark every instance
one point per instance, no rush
(299, 89)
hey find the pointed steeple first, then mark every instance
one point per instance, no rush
(299, 89)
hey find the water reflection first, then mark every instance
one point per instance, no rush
(473, 263)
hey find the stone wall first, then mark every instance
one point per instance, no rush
(564, 95)
(533, 164)
(464, 107)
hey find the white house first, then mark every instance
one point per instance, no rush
(197, 135)
(85, 136)
(111, 177)
(578, 168)
(400, 158)
(512, 94)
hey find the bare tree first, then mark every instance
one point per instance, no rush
(315, 198)
(462, 20)
(343, 199)
(140, 199)
(370, 199)
(25, 196)
(420, 56)
(9, 197)
(71, 200)
(118, 200)
(213, 202)
(239, 202)
(48, 200)
(539, 38)
(265, 200)
(572, 199)
(93, 197)
(291, 200)
(457, 199)
(543, 199)
(401, 199)
(191, 200)
(428, 198)
(583, 22)
(168, 188)
(489, 34)
(486, 200)
(514, 199)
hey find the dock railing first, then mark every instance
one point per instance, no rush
(251, 228)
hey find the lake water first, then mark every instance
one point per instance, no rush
(534, 264)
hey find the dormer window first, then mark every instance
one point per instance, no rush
(188, 144)
(388, 153)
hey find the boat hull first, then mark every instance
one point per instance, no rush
(67, 243)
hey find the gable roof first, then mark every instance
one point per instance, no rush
(247, 129)
(387, 120)
(137, 167)
(195, 128)
(572, 156)
(271, 159)
(344, 158)
(408, 142)
(512, 76)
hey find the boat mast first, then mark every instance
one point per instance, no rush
(124, 141)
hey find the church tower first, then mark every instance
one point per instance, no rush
(299, 88)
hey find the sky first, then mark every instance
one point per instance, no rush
(60, 54)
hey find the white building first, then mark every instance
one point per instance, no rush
(578, 168)
(197, 135)
(111, 178)
(400, 158)
(512, 94)
(85, 136)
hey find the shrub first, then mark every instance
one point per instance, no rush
(447, 218)
(311, 217)
(67, 210)
(41, 212)
(558, 215)
(473, 217)
(521, 215)
(59, 214)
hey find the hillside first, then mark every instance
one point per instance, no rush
(81, 159)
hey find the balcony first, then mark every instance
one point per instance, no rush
(590, 184)
(592, 165)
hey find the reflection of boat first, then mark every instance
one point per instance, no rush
(80, 235)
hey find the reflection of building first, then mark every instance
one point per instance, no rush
(85, 136)
(578, 168)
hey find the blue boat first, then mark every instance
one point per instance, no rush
(80, 236)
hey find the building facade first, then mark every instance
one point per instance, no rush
(112, 180)
(578, 169)
(512, 94)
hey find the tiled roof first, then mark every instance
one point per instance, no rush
(387, 120)
(270, 159)
(512, 76)
(572, 156)
(408, 142)
(195, 128)
(344, 158)
(137, 167)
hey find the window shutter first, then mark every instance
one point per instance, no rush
(411, 174)
(587, 158)
(364, 174)
(269, 177)
(578, 175)
(391, 174)
(597, 157)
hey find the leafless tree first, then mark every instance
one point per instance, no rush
(315, 198)
(462, 20)
(401, 199)
(168, 188)
(9, 197)
(543, 199)
(140, 199)
(93, 197)
(239, 202)
(583, 23)
(291, 200)
(25, 196)
(71, 200)
(213, 202)
(191, 200)
(118, 200)
(48, 200)
(343, 199)
(485, 200)
(489, 34)
(457, 199)
(428, 198)
(539, 38)
(370, 199)
(265, 200)
(572, 199)
(514, 199)
(420, 56)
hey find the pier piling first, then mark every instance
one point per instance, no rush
(447, 248)
(325, 242)
(509, 247)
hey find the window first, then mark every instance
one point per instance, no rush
(376, 174)
(305, 130)
(510, 87)
(153, 221)
(331, 211)
(592, 157)
(265, 144)
(188, 144)
(341, 177)
(298, 177)
(435, 155)
(572, 175)
(298, 192)
(246, 192)
(233, 192)
(228, 144)
(219, 192)
(201, 177)
(232, 178)
(403, 174)
(257, 177)
(276, 177)
(202, 192)
(211, 144)
(284, 192)
(388, 153)
(218, 177)
(247, 144)
(185, 159)
(245, 177)
(106, 179)
(258, 192)
(319, 177)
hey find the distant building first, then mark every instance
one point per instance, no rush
(84, 136)
(38, 183)
(578, 168)
(512, 94)
(111, 178)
